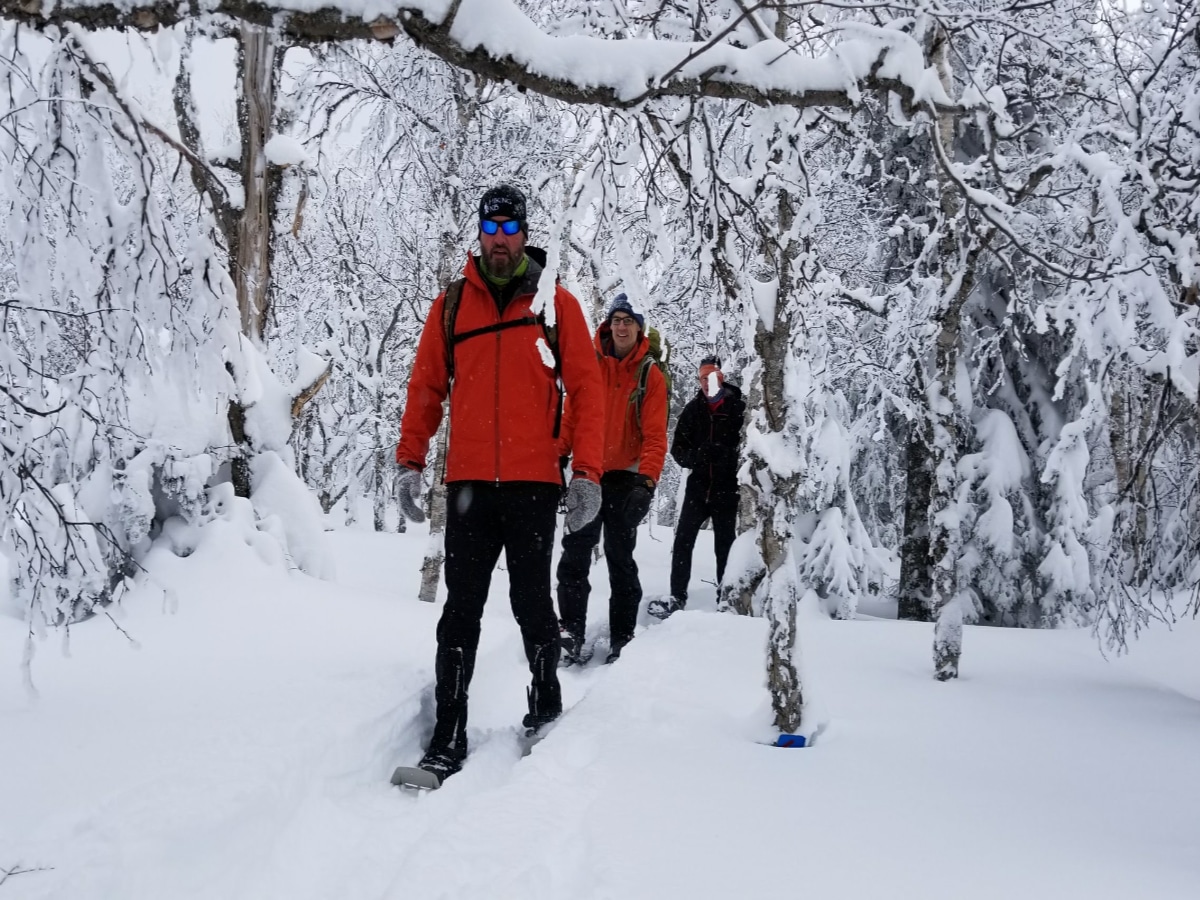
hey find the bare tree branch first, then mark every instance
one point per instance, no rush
(307, 393)
(6, 874)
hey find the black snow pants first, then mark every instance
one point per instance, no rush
(698, 506)
(483, 518)
(620, 539)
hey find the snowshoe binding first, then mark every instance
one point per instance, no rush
(430, 773)
(614, 650)
(664, 607)
(574, 651)
(541, 713)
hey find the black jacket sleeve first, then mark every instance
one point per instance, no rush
(683, 444)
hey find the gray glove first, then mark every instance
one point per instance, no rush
(583, 504)
(409, 487)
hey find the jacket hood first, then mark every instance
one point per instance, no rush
(529, 281)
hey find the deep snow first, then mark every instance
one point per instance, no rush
(242, 749)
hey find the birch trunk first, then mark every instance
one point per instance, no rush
(779, 512)
(449, 268)
(775, 495)
(435, 549)
(249, 247)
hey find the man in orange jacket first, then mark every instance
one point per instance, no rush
(500, 359)
(635, 446)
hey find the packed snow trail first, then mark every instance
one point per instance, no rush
(244, 751)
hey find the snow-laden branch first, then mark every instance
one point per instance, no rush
(495, 39)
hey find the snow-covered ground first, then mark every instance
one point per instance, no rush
(242, 749)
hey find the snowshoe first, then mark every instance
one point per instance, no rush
(533, 724)
(614, 651)
(430, 773)
(574, 651)
(661, 607)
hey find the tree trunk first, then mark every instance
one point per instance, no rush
(775, 497)
(256, 107)
(447, 270)
(776, 494)
(916, 577)
(944, 540)
(382, 465)
(1130, 422)
(957, 267)
(435, 550)
(250, 249)
(777, 511)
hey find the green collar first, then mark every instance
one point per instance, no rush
(520, 271)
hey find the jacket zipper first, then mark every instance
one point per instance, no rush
(497, 415)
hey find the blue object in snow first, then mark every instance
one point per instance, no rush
(791, 740)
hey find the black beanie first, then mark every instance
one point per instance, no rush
(711, 361)
(503, 200)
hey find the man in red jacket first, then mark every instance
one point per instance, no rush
(635, 446)
(500, 358)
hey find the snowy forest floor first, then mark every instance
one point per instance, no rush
(242, 750)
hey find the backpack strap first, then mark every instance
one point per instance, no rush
(449, 317)
(457, 339)
(549, 332)
(639, 392)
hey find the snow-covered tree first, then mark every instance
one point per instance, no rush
(956, 242)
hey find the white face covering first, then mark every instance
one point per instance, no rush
(711, 380)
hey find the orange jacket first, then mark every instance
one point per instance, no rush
(626, 445)
(504, 400)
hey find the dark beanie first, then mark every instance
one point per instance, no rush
(503, 200)
(711, 361)
(621, 304)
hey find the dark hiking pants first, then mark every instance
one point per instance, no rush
(620, 539)
(482, 519)
(696, 508)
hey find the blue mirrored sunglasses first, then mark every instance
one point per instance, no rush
(512, 226)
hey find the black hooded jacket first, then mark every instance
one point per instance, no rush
(706, 441)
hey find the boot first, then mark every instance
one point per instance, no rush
(614, 652)
(441, 763)
(448, 746)
(574, 653)
(544, 695)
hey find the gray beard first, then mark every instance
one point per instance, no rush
(502, 268)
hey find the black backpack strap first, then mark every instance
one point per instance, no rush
(449, 317)
(496, 326)
(550, 332)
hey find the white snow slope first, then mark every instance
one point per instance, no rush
(242, 750)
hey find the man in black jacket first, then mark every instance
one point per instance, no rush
(706, 441)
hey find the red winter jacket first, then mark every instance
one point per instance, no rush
(628, 444)
(504, 400)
